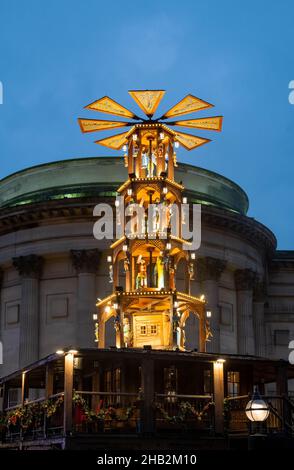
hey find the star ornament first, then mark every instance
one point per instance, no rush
(148, 101)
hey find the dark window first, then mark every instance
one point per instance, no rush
(207, 382)
(233, 383)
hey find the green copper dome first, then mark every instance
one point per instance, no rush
(88, 177)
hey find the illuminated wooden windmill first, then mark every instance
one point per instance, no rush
(147, 307)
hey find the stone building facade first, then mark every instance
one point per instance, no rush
(53, 269)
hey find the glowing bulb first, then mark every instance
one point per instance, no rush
(95, 316)
(125, 247)
(124, 148)
(185, 200)
(129, 192)
(164, 190)
(135, 137)
(208, 314)
(109, 259)
(168, 246)
(193, 255)
(177, 145)
(202, 297)
(116, 203)
(161, 135)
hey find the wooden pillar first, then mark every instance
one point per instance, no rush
(218, 387)
(147, 411)
(130, 159)
(202, 342)
(68, 390)
(282, 379)
(95, 388)
(24, 387)
(139, 163)
(170, 166)
(49, 380)
(101, 331)
(282, 390)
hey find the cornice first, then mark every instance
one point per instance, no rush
(34, 215)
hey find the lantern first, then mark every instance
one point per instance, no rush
(257, 409)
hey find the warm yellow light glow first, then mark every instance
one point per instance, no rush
(168, 246)
(220, 361)
(73, 351)
(125, 247)
(95, 316)
(202, 297)
(60, 352)
(107, 309)
(193, 255)
(109, 259)
(208, 314)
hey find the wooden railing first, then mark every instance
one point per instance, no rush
(280, 420)
(185, 412)
(35, 419)
(107, 412)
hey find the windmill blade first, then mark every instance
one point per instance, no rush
(92, 125)
(210, 123)
(187, 105)
(190, 141)
(115, 141)
(147, 100)
(109, 106)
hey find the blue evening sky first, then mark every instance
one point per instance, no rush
(57, 56)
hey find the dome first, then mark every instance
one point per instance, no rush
(84, 177)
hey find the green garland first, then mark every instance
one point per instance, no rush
(109, 413)
(185, 409)
(31, 415)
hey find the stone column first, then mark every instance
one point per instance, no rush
(29, 268)
(209, 271)
(259, 297)
(244, 281)
(86, 263)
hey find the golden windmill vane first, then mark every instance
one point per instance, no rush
(148, 101)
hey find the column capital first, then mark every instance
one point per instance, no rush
(209, 269)
(29, 266)
(259, 291)
(86, 261)
(245, 279)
